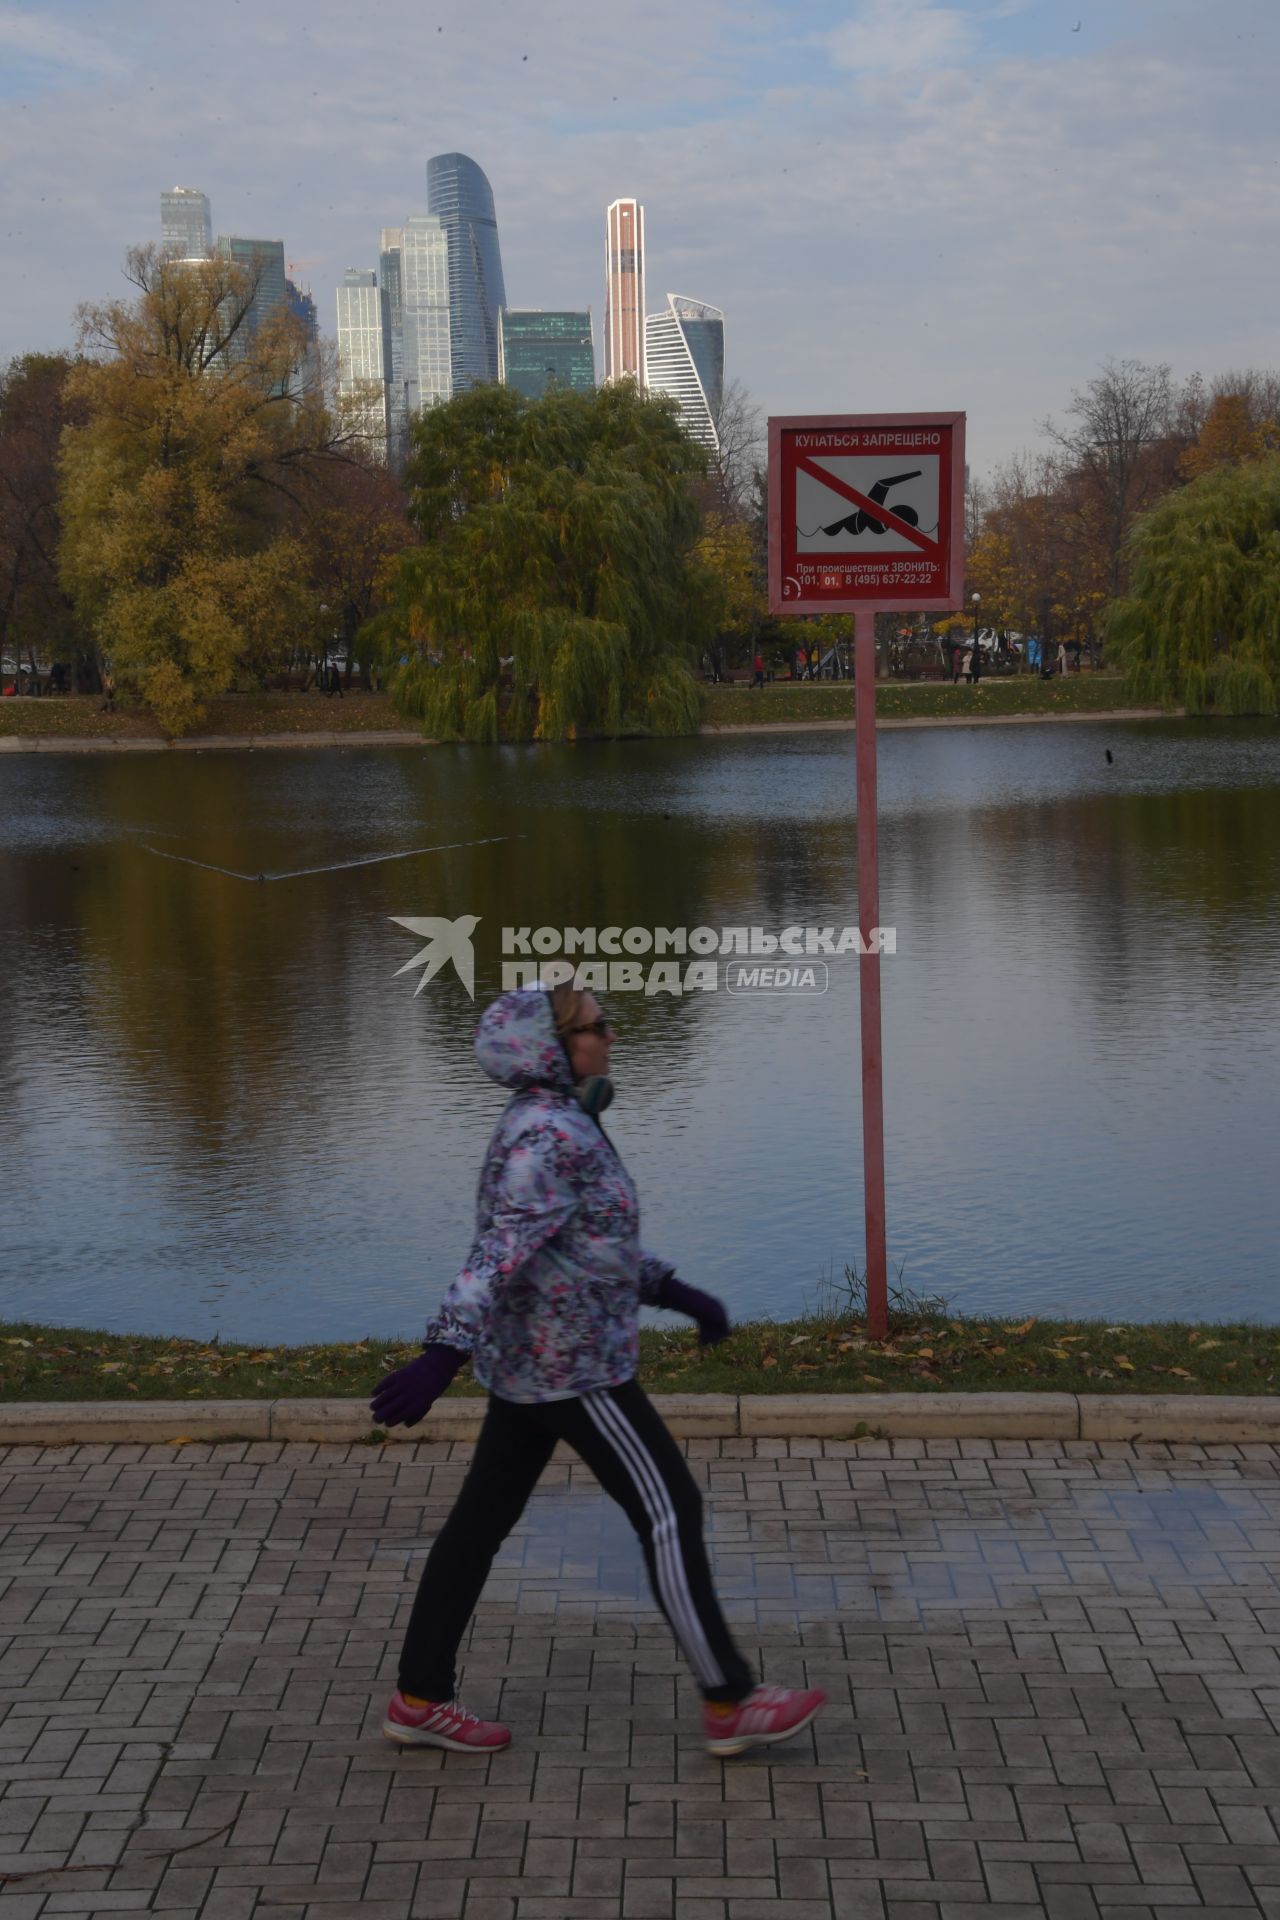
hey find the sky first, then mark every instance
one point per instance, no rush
(898, 204)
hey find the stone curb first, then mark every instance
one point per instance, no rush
(1203, 1419)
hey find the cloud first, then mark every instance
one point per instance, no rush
(45, 48)
(979, 230)
(902, 36)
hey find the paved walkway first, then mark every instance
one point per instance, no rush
(1054, 1668)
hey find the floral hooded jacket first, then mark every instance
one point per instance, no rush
(548, 1302)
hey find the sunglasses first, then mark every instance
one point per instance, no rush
(600, 1027)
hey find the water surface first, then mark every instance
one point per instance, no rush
(220, 1110)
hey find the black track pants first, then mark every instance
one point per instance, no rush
(621, 1438)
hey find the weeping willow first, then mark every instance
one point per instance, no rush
(555, 593)
(1200, 625)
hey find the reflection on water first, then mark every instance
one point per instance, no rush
(220, 1111)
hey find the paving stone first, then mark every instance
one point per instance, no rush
(1053, 1672)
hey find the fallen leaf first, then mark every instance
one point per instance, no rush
(1207, 1346)
(1024, 1328)
(801, 1340)
(1123, 1360)
(1115, 1329)
(770, 1360)
(1060, 1353)
(925, 1353)
(1182, 1373)
(873, 1379)
(17, 1343)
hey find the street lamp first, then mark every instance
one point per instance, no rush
(976, 658)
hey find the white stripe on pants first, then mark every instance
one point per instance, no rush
(673, 1583)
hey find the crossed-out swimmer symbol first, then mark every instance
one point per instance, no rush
(864, 522)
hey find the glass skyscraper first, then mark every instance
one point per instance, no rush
(263, 260)
(391, 287)
(186, 223)
(425, 320)
(684, 356)
(537, 350)
(460, 197)
(360, 364)
(302, 307)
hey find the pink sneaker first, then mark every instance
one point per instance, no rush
(447, 1725)
(767, 1715)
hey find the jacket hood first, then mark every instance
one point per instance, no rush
(517, 1044)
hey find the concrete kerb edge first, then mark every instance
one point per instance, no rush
(1196, 1419)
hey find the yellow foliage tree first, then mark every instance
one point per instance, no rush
(727, 549)
(1229, 437)
(196, 436)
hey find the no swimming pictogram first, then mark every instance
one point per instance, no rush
(827, 487)
(865, 509)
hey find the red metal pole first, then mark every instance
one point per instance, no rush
(864, 694)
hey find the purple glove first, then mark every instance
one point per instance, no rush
(713, 1321)
(408, 1394)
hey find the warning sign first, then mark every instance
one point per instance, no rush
(866, 508)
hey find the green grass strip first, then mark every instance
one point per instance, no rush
(828, 1353)
(787, 701)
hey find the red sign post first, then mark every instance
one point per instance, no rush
(866, 512)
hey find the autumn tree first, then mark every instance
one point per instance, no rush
(1200, 623)
(1230, 435)
(36, 615)
(199, 429)
(353, 523)
(1116, 425)
(556, 589)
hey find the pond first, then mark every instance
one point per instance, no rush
(222, 1111)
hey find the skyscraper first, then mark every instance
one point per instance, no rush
(391, 293)
(302, 308)
(460, 196)
(361, 380)
(186, 224)
(424, 312)
(263, 260)
(624, 292)
(684, 355)
(537, 350)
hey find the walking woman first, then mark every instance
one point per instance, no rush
(546, 1308)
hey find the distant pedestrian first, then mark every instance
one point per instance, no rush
(957, 659)
(815, 663)
(757, 668)
(109, 692)
(1062, 658)
(800, 663)
(335, 683)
